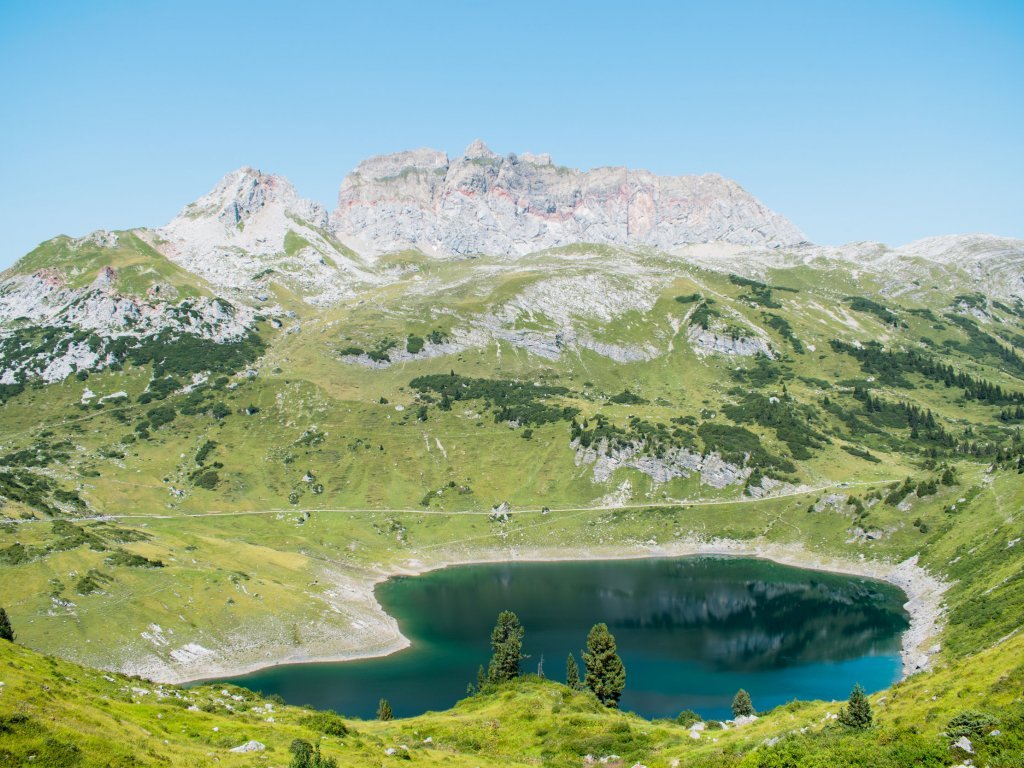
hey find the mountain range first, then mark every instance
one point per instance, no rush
(254, 241)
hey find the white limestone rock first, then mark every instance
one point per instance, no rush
(249, 746)
(710, 341)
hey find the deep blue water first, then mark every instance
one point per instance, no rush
(690, 631)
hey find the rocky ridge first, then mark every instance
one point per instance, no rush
(485, 203)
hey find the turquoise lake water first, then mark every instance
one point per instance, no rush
(691, 631)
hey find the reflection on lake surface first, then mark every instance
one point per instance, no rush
(690, 631)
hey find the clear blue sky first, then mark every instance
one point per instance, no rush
(858, 120)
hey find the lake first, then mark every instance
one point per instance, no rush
(690, 631)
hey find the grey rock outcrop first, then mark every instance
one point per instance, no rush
(485, 203)
(44, 299)
(676, 462)
(706, 341)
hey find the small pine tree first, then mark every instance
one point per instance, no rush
(507, 644)
(606, 676)
(742, 706)
(857, 712)
(572, 673)
(305, 755)
(6, 630)
(481, 678)
(384, 710)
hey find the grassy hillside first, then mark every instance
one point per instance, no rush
(137, 263)
(245, 501)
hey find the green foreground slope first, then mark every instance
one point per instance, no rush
(61, 715)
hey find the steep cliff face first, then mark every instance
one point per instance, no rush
(482, 202)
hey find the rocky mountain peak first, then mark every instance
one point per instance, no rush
(252, 222)
(479, 151)
(246, 192)
(486, 203)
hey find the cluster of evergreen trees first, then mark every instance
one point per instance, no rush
(890, 365)
(925, 429)
(880, 311)
(790, 420)
(921, 421)
(759, 293)
(1017, 414)
(982, 345)
(605, 675)
(521, 402)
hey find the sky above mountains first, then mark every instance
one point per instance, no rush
(871, 120)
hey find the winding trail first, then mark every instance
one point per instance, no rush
(443, 513)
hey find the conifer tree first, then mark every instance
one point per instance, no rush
(481, 678)
(302, 753)
(606, 676)
(384, 710)
(6, 630)
(742, 706)
(572, 673)
(857, 712)
(507, 646)
(305, 755)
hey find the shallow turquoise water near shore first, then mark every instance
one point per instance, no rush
(691, 631)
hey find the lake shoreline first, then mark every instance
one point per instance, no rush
(918, 643)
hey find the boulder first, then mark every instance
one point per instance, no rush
(249, 746)
(963, 743)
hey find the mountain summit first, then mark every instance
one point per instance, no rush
(486, 203)
(252, 222)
